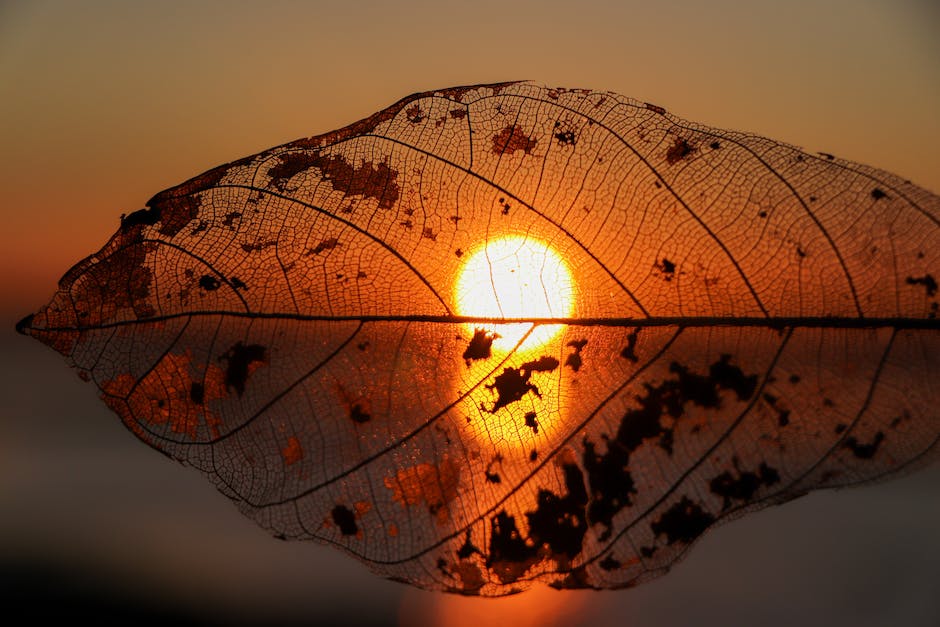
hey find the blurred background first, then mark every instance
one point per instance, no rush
(103, 104)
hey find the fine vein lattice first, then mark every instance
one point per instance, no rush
(501, 334)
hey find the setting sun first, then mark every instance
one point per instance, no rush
(515, 278)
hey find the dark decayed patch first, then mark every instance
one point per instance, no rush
(683, 522)
(609, 477)
(369, 180)
(414, 114)
(176, 207)
(629, 351)
(564, 135)
(480, 346)
(609, 563)
(667, 268)
(556, 531)
(197, 393)
(511, 139)
(929, 283)
(745, 485)
(491, 476)
(117, 277)
(230, 218)
(345, 519)
(878, 193)
(679, 150)
(141, 217)
(864, 451)
(574, 360)
(253, 248)
(239, 359)
(359, 412)
(208, 283)
(513, 383)
(531, 421)
(328, 243)
(783, 415)
(467, 549)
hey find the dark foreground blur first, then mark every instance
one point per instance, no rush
(95, 525)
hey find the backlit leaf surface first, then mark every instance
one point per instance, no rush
(500, 334)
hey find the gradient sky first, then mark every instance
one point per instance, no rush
(103, 104)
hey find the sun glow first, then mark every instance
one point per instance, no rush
(515, 278)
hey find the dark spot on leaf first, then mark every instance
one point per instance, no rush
(655, 108)
(359, 412)
(608, 474)
(667, 268)
(840, 428)
(865, 451)
(345, 519)
(250, 248)
(208, 283)
(762, 214)
(237, 283)
(197, 393)
(468, 549)
(745, 485)
(609, 563)
(428, 233)
(239, 360)
(532, 422)
(414, 114)
(574, 359)
(369, 180)
(230, 218)
(558, 524)
(458, 113)
(714, 145)
(647, 551)
(800, 252)
(929, 283)
(178, 206)
(629, 351)
(683, 522)
(513, 383)
(493, 477)
(534, 455)
(480, 346)
(783, 415)
(678, 151)
(509, 555)
(511, 139)
(459, 253)
(328, 243)
(878, 193)
(565, 138)
(141, 217)
(794, 379)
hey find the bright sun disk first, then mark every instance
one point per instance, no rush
(515, 278)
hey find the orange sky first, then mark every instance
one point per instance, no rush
(103, 104)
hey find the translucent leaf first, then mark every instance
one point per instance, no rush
(500, 334)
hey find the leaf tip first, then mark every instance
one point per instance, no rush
(23, 326)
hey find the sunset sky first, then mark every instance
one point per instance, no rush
(103, 104)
